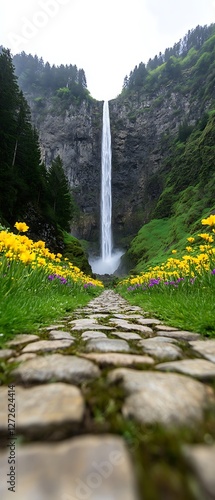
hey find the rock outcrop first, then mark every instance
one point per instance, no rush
(142, 126)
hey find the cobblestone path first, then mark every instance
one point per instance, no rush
(110, 404)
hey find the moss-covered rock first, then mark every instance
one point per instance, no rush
(74, 251)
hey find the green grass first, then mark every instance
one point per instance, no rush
(191, 309)
(28, 300)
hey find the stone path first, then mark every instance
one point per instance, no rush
(108, 405)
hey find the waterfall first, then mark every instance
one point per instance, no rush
(109, 260)
(106, 194)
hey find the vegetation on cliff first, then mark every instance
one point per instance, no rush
(27, 184)
(183, 188)
(188, 192)
(189, 63)
(65, 81)
(180, 290)
(40, 197)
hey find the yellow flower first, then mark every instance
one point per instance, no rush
(39, 244)
(41, 261)
(207, 237)
(26, 257)
(189, 249)
(21, 226)
(210, 221)
(9, 255)
(191, 239)
(174, 251)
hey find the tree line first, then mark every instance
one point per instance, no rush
(26, 185)
(194, 39)
(34, 74)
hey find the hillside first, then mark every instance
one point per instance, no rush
(162, 127)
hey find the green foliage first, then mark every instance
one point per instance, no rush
(60, 199)
(74, 251)
(190, 164)
(28, 188)
(33, 74)
(184, 131)
(63, 92)
(21, 173)
(155, 240)
(190, 309)
(28, 299)
(190, 62)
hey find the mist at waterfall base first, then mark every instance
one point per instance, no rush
(108, 265)
(109, 261)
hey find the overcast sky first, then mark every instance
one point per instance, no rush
(106, 38)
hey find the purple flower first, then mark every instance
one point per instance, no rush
(192, 280)
(213, 272)
(51, 277)
(154, 281)
(86, 285)
(63, 281)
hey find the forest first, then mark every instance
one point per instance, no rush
(30, 190)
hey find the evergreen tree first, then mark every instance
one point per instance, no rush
(59, 194)
(9, 102)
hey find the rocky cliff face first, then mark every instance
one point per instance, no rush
(141, 127)
(73, 131)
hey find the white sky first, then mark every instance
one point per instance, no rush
(106, 38)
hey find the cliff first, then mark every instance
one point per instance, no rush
(146, 121)
(73, 131)
(141, 127)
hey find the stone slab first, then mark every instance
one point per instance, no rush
(42, 409)
(166, 398)
(206, 348)
(127, 316)
(104, 359)
(98, 315)
(125, 325)
(23, 357)
(161, 350)
(127, 335)
(23, 339)
(179, 335)
(163, 339)
(48, 345)
(54, 327)
(83, 322)
(57, 367)
(149, 321)
(92, 327)
(107, 345)
(198, 368)
(200, 458)
(166, 328)
(60, 334)
(92, 334)
(82, 468)
(6, 354)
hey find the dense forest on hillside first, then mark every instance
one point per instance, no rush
(66, 81)
(193, 55)
(28, 191)
(184, 187)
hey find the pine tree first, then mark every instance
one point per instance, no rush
(9, 101)
(59, 194)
